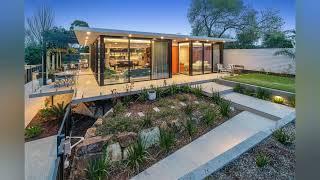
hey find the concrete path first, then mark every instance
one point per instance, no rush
(207, 147)
(268, 107)
(212, 86)
(40, 156)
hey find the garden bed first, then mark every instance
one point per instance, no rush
(278, 162)
(137, 133)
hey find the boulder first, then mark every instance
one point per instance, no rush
(98, 122)
(82, 109)
(91, 132)
(150, 136)
(92, 145)
(176, 125)
(80, 164)
(114, 152)
(126, 138)
(125, 154)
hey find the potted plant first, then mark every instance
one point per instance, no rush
(152, 94)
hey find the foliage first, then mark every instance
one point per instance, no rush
(78, 23)
(164, 102)
(161, 92)
(209, 116)
(188, 109)
(197, 91)
(33, 131)
(32, 54)
(224, 107)
(173, 89)
(282, 137)
(238, 88)
(58, 110)
(286, 52)
(292, 101)
(137, 154)
(143, 95)
(182, 97)
(263, 94)
(249, 92)
(276, 39)
(126, 100)
(262, 160)
(167, 112)
(98, 168)
(109, 72)
(278, 100)
(116, 124)
(166, 139)
(45, 112)
(190, 126)
(147, 119)
(215, 97)
(185, 89)
(118, 108)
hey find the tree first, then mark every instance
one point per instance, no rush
(78, 23)
(289, 52)
(32, 54)
(276, 39)
(221, 17)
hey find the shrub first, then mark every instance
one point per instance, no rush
(262, 160)
(215, 97)
(282, 137)
(147, 119)
(33, 131)
(173, 89)
(161, 92)
(185, 89)
(238, 88)
(137, 154)
(263, 94)
(164, 102)
(166, 113)
(118, 108)
(249, 92)
(58, 110)
(190, 127)
(143, 95)
(292, 101)
(197, 91)
(209, 116)
(98, 168)
(45, 112)
(182, 97)
(166, 139)
(224, 107)
(116, 124)
(188, 109)
(278, 99)
(126, 100)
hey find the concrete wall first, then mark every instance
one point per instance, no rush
(259, 60)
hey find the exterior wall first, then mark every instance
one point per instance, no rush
(259, 60)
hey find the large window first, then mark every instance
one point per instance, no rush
(140, 57)
(207, 63)
(117, 61)
(197, 58)
(216, 56)
(160, 67)
(184, 58)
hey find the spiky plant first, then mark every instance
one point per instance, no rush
(166, 139)
(98, 168)
(58, 110)
(137, 154)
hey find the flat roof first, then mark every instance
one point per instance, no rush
(87, 36)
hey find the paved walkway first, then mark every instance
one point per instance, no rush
(207, 147)
(40, 158)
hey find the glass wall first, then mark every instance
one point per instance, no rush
(160, 66)
(184, 58)
(116, 61)
(207, 63)
(216, 56)
(140, 57)
(196, 58)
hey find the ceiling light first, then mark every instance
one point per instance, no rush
(161, 37)
(130, 35)
(88, 33)
(207, 40)
(174, 40)
(187, 39)
(87, 37)
(115, 43)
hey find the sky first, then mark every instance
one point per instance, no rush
(163, 16)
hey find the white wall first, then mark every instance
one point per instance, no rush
(259, 59)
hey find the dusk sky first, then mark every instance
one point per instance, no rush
(165, 16)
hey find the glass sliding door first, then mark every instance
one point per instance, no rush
(184, 58)
(117, 61)
(197, 58)
(207, 63)
(140, 57)
(160, 66)
(216, 56)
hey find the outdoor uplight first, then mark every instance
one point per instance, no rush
(278, 99)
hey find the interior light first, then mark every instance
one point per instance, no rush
(130, 35)
(88, 33)
(174, 40)
(207, 40)
(87, 37)
(161, 37)
(187, 39)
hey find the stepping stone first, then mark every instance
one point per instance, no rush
(140, 114)
(128, 115)
(172, 107)
(183, 104)
(232, 108)
(196, 102)
(156, 109)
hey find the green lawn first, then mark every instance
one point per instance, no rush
(265, 80)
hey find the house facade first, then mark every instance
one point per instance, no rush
(118, 56)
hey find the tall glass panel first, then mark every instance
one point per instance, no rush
(140, 58)
(207, 63)
(197, 58)
(117, 61)
(216, 56)
(160, 67)
(184, 58)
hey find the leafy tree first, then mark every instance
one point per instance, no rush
(276, 39)
(78, 23)
(32, 54)
(291, 35)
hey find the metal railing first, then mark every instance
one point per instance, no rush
(29, 71)
(64, 131)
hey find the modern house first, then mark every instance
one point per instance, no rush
(118, 56)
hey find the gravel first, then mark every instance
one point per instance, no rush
(281, 161)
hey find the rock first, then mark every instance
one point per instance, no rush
(156, 109)
(125, 154)
(126, 138)
(176, 125)
(91, 132)
(140, 114)
(150, 136)
(183, 104)
(164, 125)
(80, 164)
(92, 145)
(98, 122)
(232, 108)
(82, 109)
(114, 152)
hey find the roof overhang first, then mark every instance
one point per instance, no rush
(87, 36)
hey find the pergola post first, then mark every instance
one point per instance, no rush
(44, 64)
(221, 47)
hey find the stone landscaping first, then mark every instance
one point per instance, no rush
(136, 133)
